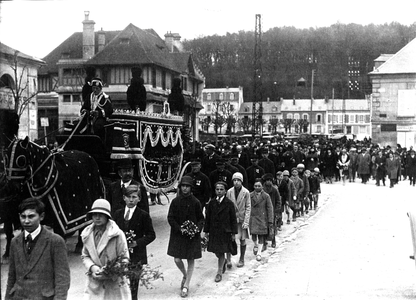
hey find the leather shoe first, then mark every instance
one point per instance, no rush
(218, 278)
(240, 264)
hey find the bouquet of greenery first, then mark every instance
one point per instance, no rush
(122, 268)
(189, 229)
(130, 235)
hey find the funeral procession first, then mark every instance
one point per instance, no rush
(224, 154)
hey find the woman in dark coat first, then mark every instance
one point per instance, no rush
(185, 207)
(330, 163)
(220, 226)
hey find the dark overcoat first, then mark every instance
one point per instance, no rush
(363, 163)
(181, 209)
(220, 223)
(43, 274)
(411, 165)
(141, 224)
(392, 167)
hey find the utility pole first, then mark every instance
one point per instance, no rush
(313, 75)
(257, 110)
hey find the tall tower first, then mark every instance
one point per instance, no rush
(257, 111)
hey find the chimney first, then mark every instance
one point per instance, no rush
(88, 41)
(101, 40)
(177, 42)
(169, 41)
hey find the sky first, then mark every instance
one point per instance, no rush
(37, 27)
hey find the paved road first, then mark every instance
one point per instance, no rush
(356, 246)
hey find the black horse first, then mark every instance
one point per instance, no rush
(67, 181)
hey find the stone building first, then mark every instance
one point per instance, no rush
(394, 98)
(224, 101)
(24, 83)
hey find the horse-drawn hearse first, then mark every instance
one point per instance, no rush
(70, 178)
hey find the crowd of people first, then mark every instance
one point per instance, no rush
(231, 193)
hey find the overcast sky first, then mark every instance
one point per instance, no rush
(37, 27)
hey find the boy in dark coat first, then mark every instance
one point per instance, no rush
(137, 225)
(220, 226)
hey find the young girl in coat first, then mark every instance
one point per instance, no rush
(103, 241)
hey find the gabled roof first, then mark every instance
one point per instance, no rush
(402, 62)
(9, 52)
(136, 46)
(72, 46)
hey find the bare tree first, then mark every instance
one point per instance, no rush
(274, 122)
(245, 123)
(20, 90)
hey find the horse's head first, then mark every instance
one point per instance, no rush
(22, 156)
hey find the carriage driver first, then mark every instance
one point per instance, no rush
(99, 106)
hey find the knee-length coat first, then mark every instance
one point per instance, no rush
(220, 223)
(112, 245)
(261, 213)
(392, 167)
(363, 163)
(181, 209)
(411, 165)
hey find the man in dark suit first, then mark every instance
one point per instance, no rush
(39, 266)
(115, 192)
(209, 160)
(137, 224)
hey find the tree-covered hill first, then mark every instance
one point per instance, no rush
(341, 55)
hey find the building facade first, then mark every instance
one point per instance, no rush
(18, 81)
(394, 98)
(113, 54)
(223, 103)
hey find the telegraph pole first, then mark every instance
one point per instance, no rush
(257, 110)
(312, 80)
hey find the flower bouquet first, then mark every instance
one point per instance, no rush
(189, 229)
(122, 268)
(204, 243)
(130, 235)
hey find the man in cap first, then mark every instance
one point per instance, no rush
(115, 192)
(209, 160)
(228, 166)
(291, 195)
(253, 172)
(243, 157)
(265, 162)
(220, 174)
(202, 186)
(98, 106)
(363, 165)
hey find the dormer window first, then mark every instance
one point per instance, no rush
(65, 55)
(124, 41)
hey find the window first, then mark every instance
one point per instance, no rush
(319, 129)
(221, 96)
(76, 98)
(6, 81)
(274, 109)
(367, 118)
(305, 116)
(296, 116)
(363, 129)
(289, 116)
(318, 118)
(231, 96)
(346, 119)
(352, 119)
(209, 96)
(335, 119)
(67, 98)
(208, 107)
(246, 109)
(361, 118)
(329, 118)
(383, 115)
(164, 80)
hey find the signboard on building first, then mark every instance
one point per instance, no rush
(406, 127)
